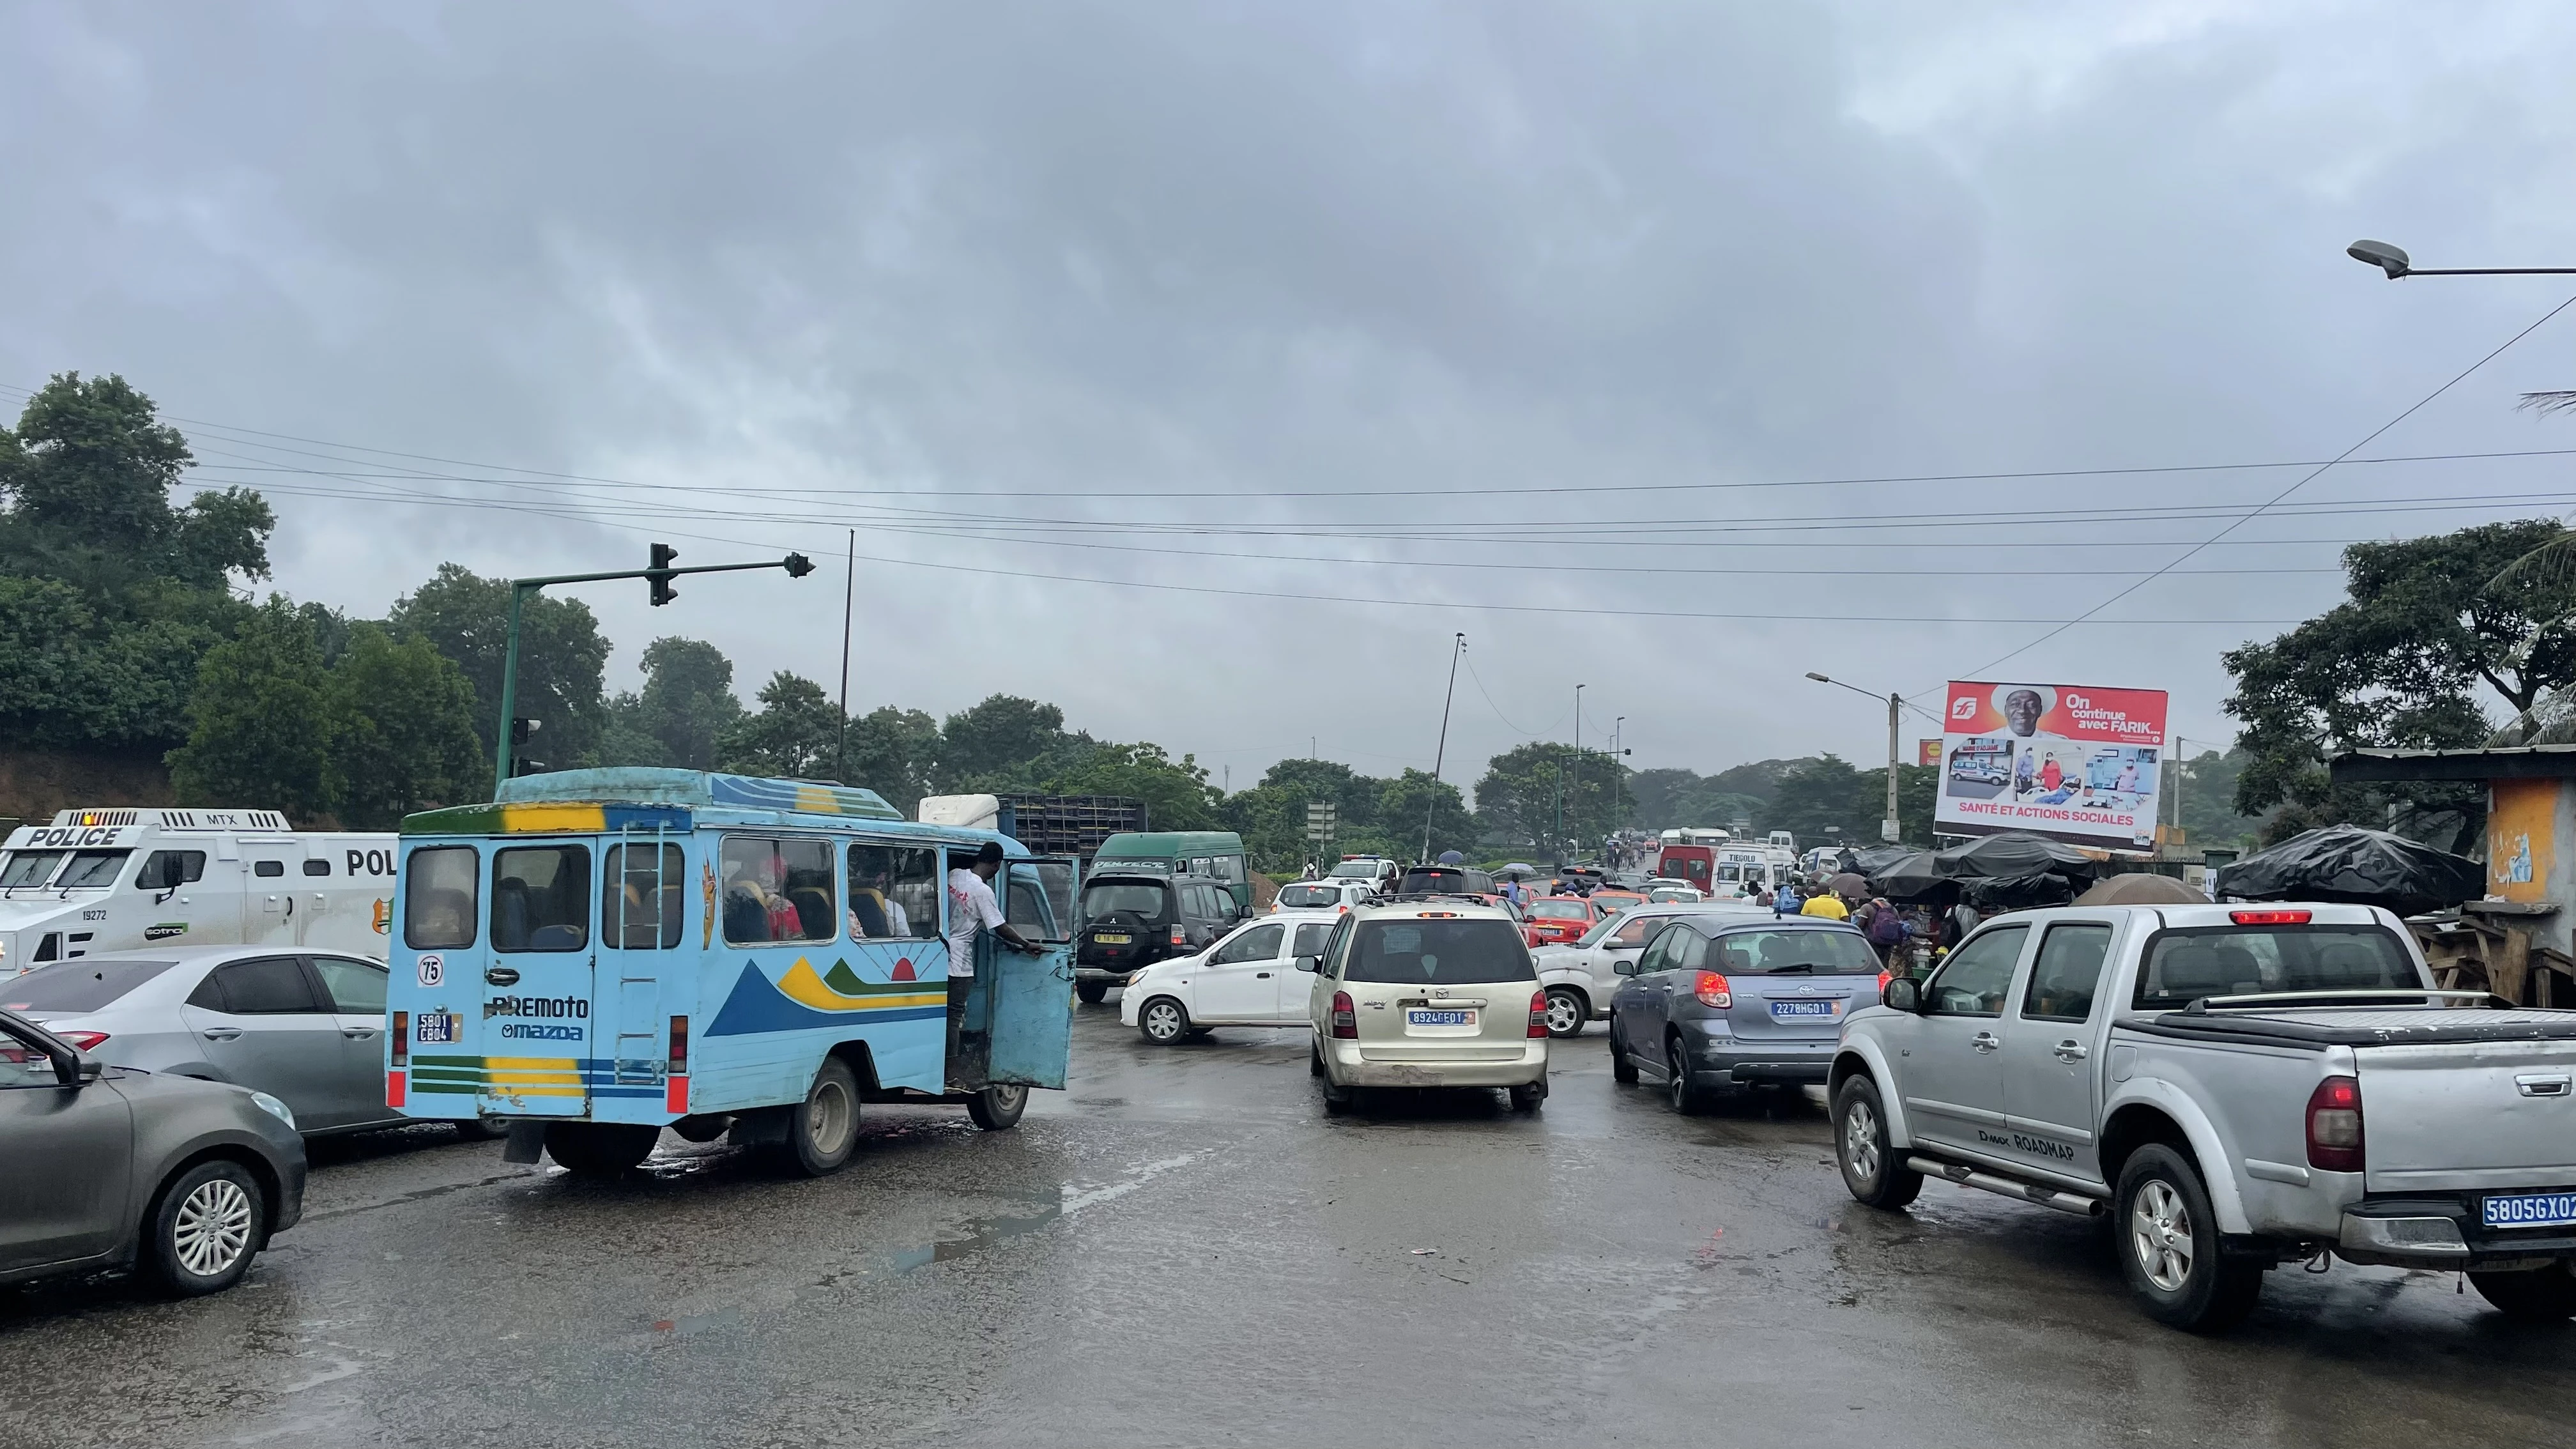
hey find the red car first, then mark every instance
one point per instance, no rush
(1559, 920)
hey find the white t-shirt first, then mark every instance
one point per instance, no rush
(971, 908)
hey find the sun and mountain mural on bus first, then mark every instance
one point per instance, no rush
(801, 998)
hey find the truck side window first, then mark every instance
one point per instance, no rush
(168, 869)
(2069, 972)
(267, 867)
(541, 898)
(317, 867)
(439, 898)
(645, 897)
(1973, 981)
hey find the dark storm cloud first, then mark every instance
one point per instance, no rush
(1213, 249)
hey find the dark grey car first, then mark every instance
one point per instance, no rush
(107, 1166)
(1718, 1008)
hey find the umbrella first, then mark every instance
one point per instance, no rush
(1517, 871)
(1849, 886)
(1879, 857)
(2360, 867)
(1995, 894)
(2141, 888)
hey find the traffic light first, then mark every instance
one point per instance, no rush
(658, 574)
(798, 566)
(522, 728)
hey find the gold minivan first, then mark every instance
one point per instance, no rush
(1431, 992)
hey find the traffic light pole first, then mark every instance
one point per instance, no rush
(796, 564)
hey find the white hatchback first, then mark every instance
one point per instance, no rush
(1248, 977)
(1322, 895)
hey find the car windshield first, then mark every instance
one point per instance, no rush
(1308, 897)
(2187, 964)
(1354, 870)
(30, 867)
(1806, 952)
(92, 869)
(1438, 953)
(78, 985)
(1127, 897)
(1560, 910)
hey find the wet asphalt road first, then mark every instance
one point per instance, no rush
(1183, 1249)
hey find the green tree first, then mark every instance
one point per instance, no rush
(1405, 804)
(109, 597)
(2399, 664)
(892, 751)
(681, 716)
(260, 721)
(402, 730)
(562, 658)
(1175, 792)
(791, 737)
(996, 743)
(1527, 791)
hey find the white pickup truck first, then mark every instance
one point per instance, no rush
(2237, 1088)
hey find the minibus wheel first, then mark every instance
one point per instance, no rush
(824, 1128)
(998, 1107)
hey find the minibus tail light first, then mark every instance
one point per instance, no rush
(400, 1040)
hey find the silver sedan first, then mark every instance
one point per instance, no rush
(304, 1026)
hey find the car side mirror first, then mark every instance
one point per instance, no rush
(1623, 968)
(1310, 963)
(1902, 993)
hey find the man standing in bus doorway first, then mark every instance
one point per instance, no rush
(972, 908)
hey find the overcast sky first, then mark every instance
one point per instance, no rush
(1275, 316)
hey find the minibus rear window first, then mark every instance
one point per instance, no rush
(439, 898)
(541, 898)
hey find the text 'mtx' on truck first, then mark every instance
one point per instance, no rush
(604, 953)
(118, 879)
(2235, 1087)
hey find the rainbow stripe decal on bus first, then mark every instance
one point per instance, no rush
(800, 999)
(522, 1077)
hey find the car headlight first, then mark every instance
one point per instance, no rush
(275, 1108)
(1134, 977)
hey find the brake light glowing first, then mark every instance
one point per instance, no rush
(2334, 1125)
(1538, 1014)
(1883, 978)
(1180, 936)
(83, 1040)
(1346, 1019)
(1712, 990)
(2271, 918)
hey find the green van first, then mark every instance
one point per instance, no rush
(1182, 852)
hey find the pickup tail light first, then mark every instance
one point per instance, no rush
(2334, 1126)
(1346, 1018)
(2271, 918)
(1713, 991)
(1538, 1014)
(83, 1040)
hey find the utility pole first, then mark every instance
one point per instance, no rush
(1888, 829)
(1578, 755)
(1440, 755)
(658, 574)
(849, 596)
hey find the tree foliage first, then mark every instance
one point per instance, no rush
(791, 736)
(256, 733)
(2399, 664)
(401, 722)
(562, 657)
(1543, 792)
(992, 745)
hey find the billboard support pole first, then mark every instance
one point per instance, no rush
(1888, 829)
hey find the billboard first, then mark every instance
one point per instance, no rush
(1927, 752)
(2064, 760)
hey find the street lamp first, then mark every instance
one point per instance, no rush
(2394, 262)
(1441, 754)
(1887, 829)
